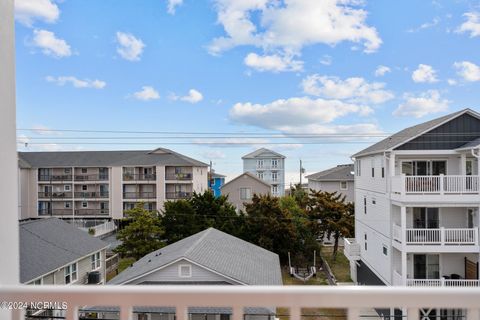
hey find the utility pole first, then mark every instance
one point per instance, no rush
(301, 173)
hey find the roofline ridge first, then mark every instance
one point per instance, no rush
(193, 246)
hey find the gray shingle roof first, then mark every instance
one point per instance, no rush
(249, 174)
(48, 244)
(341, 172)
(218, 251)
(258, 152)
(408, 133)
(469, 145)
(159, 156)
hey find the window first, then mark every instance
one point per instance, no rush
(95, 258)
(185, 271)
(385, 250)
(84, 204)
(383, 168)
(359, 168)
(343, 185)
(275, 189)
(374, 201)
(274, 163)
(260, 175)
(67, 205)
(84, 187)
(84, 170)
(365, 205)
(259, 163)
(245, 193)
(366, 246)
(37, 282)
(373, 167)
(70, 272)
(274, 176)
(424, 168)
(67, 170)
(67, 187)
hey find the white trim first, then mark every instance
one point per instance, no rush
(425, 152)
(180, 266)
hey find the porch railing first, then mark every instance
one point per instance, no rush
(350, 299)
(443, 283)
(441, 184)
(442, 236)
(351, 248)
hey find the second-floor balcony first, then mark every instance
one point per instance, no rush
(139, 195)
(91, 177)
(55, 177)
(436, 236)
(179, 176)
(178, 195)
(91, 195)
(55, 195)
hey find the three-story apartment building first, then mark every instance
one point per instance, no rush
(269, 166)
(417, 206)
(104, 184)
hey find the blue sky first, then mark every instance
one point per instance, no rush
(238, 67)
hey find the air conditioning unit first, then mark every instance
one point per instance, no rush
(94, 277)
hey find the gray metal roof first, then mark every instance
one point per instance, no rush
(159, 156)
(407, 134)
(341, 172)
(249, 174)
(217, 175)
(218, 251)
(470, 145)
(48, 244)
(260, 151)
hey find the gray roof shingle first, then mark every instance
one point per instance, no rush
(159, 156)
(218, 251)
(48, 244)
(341, 172)
(408, 133)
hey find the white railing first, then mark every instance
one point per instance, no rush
(443, 283)
(397, 233)
(397, 278)
(101, 229)
(441, 184)
(351, 299)
(442, 236)
(351, 248)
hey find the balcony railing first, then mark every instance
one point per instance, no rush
(353, 300)
(62, 177)
(442, 283)
(441, 184)
(179, 176)
(55, 195)
(178, 195)
(55, 212)
(90, 195)
(91, 212)
(91, 177)
(139, 195)
(351, 249)
(440, 236)
(139, 177)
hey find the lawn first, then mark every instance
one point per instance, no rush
(123, 264)
(340, 267)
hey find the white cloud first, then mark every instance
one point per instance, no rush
(214, 154)
(452, 82)
(28, 11)
(326, 60)
(472, 25)
(129, 47)
(351, 89)
(467, 70)
(43, 130)
(381, 71)
(426, 25)
(147, 93)
(172, 6)
(77, 83)
(291, 25)
(50, 44)
(290, 115)
(274, 63)
(426, 103)
(424, 73)
(193, 96)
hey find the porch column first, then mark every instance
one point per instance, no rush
(391, 164)
(403, 225)
(404, 267)
(463, 166)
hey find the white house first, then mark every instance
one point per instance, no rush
(417, 199)
(338, 179)
(269, 166)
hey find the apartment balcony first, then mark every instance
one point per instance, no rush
(444, 239)
(139, 195)
(441, 188)
(92, 212)
(90, 177)
(55, 212)
(443, 282)
(55, 178)
(127, 177)
(178, 195)
(351, 249)
(179, 176)
(91, 195)
(55, 195)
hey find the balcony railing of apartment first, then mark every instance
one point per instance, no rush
(178, 195)
(353, 300)
(179, 176)
(91, 177)
(55, 212)
(89, 195)
(139, 195)
(139, 177)
(101, 229)
(91, 212)
(55, 195)
(439, 236)
(442, 283)
(63, 177)
(441, 184)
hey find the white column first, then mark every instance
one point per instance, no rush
(403, 225)
(391, 164)
(463, 165)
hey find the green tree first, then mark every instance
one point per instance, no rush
(142, 235)
(330, 216)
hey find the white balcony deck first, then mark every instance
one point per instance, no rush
(352, 299)
(443, 188)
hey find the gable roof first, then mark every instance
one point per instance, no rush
(49, 244)
(215, 250)
(217, 175)
(258, 152)
(341, 172)
(408, 134)
(160, 156)
(248, 174)
(470, 145)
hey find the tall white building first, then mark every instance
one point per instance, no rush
(417, 200)
(269, 166)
